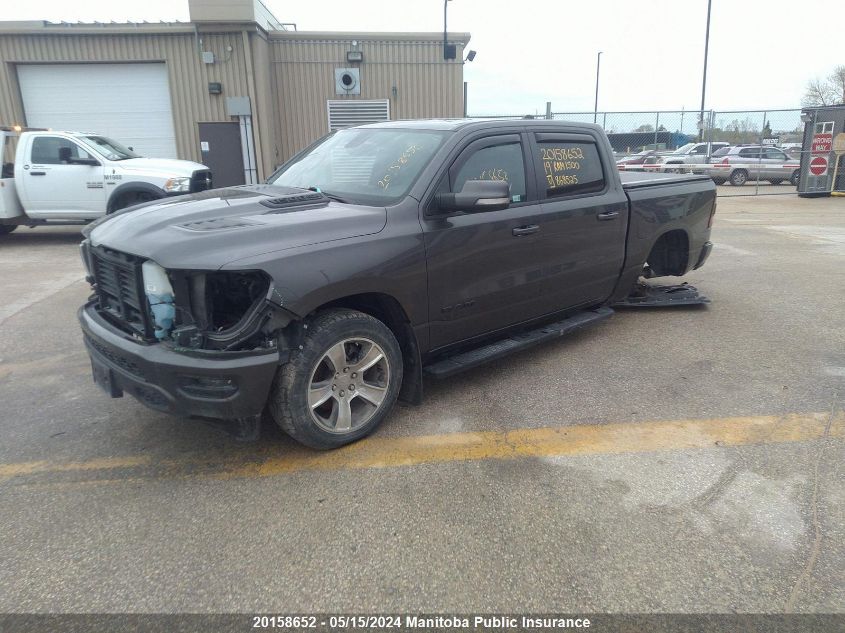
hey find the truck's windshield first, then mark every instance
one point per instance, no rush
(364, 165)
(109, 149)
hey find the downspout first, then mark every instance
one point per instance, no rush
(253, 100)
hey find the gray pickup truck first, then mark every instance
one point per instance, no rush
(377, 255)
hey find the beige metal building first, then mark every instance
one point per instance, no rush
(232, 87)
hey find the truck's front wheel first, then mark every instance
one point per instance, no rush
(343, 382)
(132, 198)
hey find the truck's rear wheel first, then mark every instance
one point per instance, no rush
(343, 382)
(5, 229)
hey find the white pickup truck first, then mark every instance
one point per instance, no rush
(73, 178)
(689, 154)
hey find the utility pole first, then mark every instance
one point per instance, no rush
(704, 78)
(596, 106)
(445, 7)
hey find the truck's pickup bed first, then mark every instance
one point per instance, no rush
(635, 180)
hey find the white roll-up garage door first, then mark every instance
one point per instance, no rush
(127, 102)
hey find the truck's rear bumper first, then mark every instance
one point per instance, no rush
(223, 385)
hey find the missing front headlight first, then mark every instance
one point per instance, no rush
(230, 295)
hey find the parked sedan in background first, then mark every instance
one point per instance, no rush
(639, 161)
(737, 165)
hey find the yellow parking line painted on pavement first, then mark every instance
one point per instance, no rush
(617, 438)
(556, 441)
(103, 463)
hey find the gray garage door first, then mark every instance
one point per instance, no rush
(128, 102)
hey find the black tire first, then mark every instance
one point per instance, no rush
(795, 177)
(132, 198)
(738, 177)
(5, 229)
(289, 404)
(719, 181)
(776, 181)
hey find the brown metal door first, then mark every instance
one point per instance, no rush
(220, 146)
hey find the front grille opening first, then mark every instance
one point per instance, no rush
(230, 295)
(120, 290)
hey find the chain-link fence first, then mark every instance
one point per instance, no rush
(745, 152)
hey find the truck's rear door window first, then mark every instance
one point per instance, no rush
(498, 162)
(570, 167)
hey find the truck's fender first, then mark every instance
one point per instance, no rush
(141, 187)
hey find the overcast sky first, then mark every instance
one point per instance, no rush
(762, 52)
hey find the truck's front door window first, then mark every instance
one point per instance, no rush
(499, 162)
(45, 150)
(570, 167)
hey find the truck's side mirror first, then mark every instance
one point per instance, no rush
(476, 196)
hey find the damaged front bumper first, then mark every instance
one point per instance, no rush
(214, 384)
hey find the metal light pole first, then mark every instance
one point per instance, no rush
(704, 78)
(445, 6)
(596, 106)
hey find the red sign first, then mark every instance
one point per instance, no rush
(822, 143)
(818, 166)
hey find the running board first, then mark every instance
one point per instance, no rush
(514, 343)
(653, 296)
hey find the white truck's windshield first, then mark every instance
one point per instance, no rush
(108, 148)
(366, 165)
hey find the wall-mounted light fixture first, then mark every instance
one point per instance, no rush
(354, 56)
(470, 56)
(215, 88)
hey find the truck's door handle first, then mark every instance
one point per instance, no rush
(38, 173)
(526, 230)
(607, 215)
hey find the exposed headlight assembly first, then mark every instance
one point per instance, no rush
(159, 293)
(178, 185)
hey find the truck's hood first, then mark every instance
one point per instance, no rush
(165, 167)
(210, 229)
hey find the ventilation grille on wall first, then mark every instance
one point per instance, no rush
(345, 113)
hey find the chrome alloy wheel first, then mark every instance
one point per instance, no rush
(348, 385)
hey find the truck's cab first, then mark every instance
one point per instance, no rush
(67, 177)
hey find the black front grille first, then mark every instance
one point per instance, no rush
(120, 288)
(201, 180)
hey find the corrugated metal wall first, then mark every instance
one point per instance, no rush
(189, 77)
(288, 76)
(426, 85)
